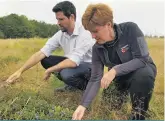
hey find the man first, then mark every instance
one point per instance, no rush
(123, 49)
(74, 67)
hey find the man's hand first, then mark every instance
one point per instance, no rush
(79, 112)
(47, 74)
(107, 78)
(67, 63)
(14, 77)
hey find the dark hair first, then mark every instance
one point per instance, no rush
(66, 7)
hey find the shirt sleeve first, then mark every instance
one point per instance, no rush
(139, 52)
(52, 44)
(94, 83)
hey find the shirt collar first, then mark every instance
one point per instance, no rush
(76, 29)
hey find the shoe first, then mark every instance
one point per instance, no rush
(66, 88)
(136, 116)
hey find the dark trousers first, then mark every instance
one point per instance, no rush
(77, 77)
(139, 84)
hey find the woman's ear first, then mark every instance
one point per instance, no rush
(109, 24)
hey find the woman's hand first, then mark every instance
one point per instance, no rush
(79, 113)
(107, 78)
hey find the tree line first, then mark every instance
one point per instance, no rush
(15, 26)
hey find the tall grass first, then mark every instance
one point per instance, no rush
(33, 98)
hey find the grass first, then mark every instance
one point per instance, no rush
(33, 98)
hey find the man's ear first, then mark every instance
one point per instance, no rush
(72, 16)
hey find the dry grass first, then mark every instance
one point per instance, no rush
(15, 52)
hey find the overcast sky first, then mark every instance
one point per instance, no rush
(148, 14)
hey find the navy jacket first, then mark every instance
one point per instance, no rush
(132, 50)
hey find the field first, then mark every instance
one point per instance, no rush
(32, 98)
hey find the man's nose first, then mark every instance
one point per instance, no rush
(58, 22)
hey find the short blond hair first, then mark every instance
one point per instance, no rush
(97, 14)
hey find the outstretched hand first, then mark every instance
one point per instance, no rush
(13, 77)
(79, 113)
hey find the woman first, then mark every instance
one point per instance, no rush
(123, 49)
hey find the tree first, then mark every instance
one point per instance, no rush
(14, 26)
(1, 35)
